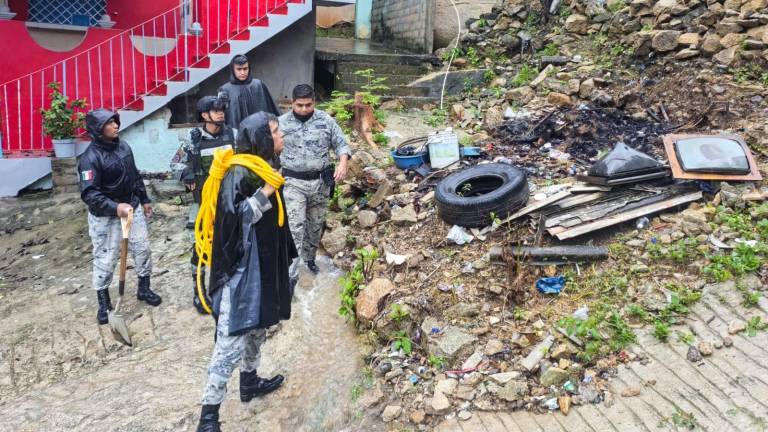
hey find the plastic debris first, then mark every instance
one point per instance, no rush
(643, 223)
(551, 404)
(468, 268)
(581, 313)
(413, 379)
(550, 285)
(459, 235)
(570, 387)
(394, 259)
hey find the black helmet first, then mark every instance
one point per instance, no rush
(208, 103)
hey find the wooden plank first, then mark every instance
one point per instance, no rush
(541, 204)
(627, 216)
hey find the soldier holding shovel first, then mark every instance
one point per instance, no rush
(110, 185)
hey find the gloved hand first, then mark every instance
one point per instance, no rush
(196, 135)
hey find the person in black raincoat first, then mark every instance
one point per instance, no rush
(110, 185)
(247, 95)
(249, 283)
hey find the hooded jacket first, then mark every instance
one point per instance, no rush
(251, 253)
(107, 171)
(246, 97)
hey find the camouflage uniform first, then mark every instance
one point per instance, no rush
(307, 151)
(106, 233)
(244, 349)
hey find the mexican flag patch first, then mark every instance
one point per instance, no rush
(87, 175)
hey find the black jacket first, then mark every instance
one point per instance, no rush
(107, 171)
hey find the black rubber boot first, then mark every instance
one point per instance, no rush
(313, 267)
(195, 297)
(252, 386)
(209, 419)
(105, 305)
(146, 294)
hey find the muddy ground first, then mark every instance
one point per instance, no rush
(60, 371)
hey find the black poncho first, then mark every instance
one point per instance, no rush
(252, 257)
(246, 97)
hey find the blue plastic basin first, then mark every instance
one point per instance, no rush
(405, 162)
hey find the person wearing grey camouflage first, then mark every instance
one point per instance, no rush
(110, 185)
(310, 135)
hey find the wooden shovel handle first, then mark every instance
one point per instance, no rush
(126, 223)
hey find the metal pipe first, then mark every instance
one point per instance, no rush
(111, 76)
(101, 81)
(122, 69)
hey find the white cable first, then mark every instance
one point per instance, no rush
(453, 53)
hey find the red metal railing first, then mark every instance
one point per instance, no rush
(119, 72)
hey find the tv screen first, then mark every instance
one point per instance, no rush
(712, 155)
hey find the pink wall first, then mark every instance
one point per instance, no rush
(130, 13)
(28, 56)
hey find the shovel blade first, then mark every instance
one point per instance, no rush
(119, 328)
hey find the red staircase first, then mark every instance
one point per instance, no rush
(157, 58)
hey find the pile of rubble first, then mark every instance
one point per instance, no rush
(458, 320)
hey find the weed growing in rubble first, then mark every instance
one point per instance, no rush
(647, 28)
(661, 330)
(686, 338)
(753, 73)
(454, 52)
(436, 361)
(526, 74)
(353, 280)
(754, 325)
(436, 118)
(398, 313)
(680, 418)
(762, 229)
(401, 340)
(339, 106)
(550, 50)
(381, 139)
(637, 311)
(473, 56)
(615, 7)
(743, 259)
(751, 299)
(602, 332)
(372, 88)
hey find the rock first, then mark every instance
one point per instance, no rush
(404, 215)
(732, 39)
(520, 95)
(446, 386)
(706, 348)
(367, 218)
(463, 310)
(472, 362)
(449, 341)
(727, 342)
(586, 88)
(385, 189)
(559, 99)
(513, 390)
(693, 354)
(464, 415)
(465, 392)
(542, 76)
(371, 299)
(553, 376)
(494, 117)
(391, 412)
(576, 23)
(686, 54)
(440, 403)
(665, 40)
(531, 362)
(418, 417)
(457, 112)
(505, 377)
(494, 346)
(335, 241)
(711, 45)
(727, 56)
(736, 326)
(689, 39)
(564, 403)
(389, 376)
(751, 44)
(563, 350)
(723, 28)
(636, 243)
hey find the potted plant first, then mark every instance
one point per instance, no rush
(61, 122)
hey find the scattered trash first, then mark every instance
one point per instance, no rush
(37, 256)
(413, 379)
(550, 285)
(551, 404)
(570, 387)
(393, 259)
(710, 157)
(643, 223)
(443, 149)
(540, 196)
(459, 235)
(468, 268)
(624, 165)
(581, 313)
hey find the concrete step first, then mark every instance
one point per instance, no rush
(384, 68)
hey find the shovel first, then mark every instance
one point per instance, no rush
(116, 321)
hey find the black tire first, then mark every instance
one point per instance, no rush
(496, 188)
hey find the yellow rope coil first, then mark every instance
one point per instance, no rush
(222, 161)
